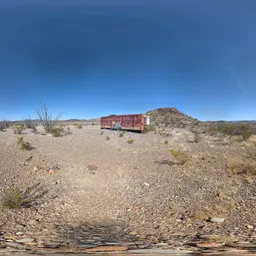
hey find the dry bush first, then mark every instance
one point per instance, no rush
(121, 134)
(107, 138)
(239, 167)
(149, 128)
(3, 124)
(101, 133)
(14, 199)
(78, 126)
(197, 138)
(18, 129)
(130, 141)
(25, 145)
(180, 156)
(166, 142)
(46, 117)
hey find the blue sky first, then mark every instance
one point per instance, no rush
(93, 58)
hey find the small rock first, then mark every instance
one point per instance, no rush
(25, 240)
(146, 184)
(51, 171)
(250, 227)
(217, 220)
(35, 169)
(19, 233)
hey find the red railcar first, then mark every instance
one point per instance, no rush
(136, 122)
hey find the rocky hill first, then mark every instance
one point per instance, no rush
(171, 117)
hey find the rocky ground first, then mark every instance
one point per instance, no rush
(92, 188)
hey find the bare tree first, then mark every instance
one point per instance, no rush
(46, 117)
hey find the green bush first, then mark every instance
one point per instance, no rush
(180, 156)
(246, 132)
(130, 141)
(78, 126)
(23, 144)
(57, 131)
(14, 199)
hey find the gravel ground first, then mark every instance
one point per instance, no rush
(86, 188)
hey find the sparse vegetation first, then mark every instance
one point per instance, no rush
(107, 138)
(102, 133)
(78, 126)
(57, 131)
(150, 128)
(25, 145)
(18, 129)
(3, 124)
(240, 167)
(180, 156)
(46, 117)
(14, 199)
(246, 132)
(130, 141)
(166, 142)
(121, 134)
(197, 138)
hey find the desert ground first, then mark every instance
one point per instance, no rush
(96, 187)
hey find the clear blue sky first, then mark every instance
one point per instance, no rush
(93, 58)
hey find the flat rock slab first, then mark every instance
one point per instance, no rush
(25, 240)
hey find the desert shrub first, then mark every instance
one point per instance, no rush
(149, 128)
(34, 129)
(78, 126)
(18, 129)
(246, 132)
(14, 199)
(67, 132)
(130, 141)
(101, 133)
(28, 123)
(107, 138)
(239, 167)
(228, 129)
(197, 138)
(121, 134)
(25, 145)
(166, 142)
(3, 124)
(57, 131)
(180, 156)
(46, 117)
(93, 123)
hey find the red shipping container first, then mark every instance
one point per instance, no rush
(136, 122)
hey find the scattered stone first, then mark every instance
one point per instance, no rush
(146, 184)
(217, 220)
(85, 246)
(25, 240)
(35, 169)
(51, 171)
(92, 167)
(108, 249)
(212, 245)
(19, 233)
(250, 227)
